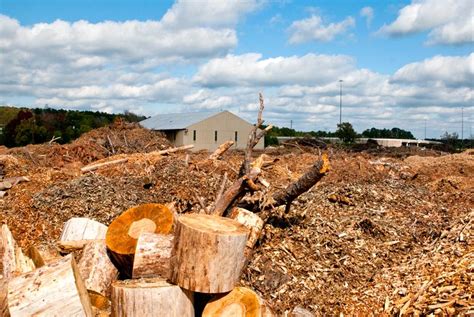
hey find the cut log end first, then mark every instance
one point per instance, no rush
(240, 302)
(124, 231)
(79, 231)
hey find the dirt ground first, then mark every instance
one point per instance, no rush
(385, 232)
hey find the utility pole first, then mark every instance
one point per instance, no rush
(462, 126)
(340, 101)
(291, 124)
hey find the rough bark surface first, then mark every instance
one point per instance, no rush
(78, 231)
(152, 255)
(96, 269)
(123, 232)
(150, 297)
(241, 302)
(55, 289)
(208, 253)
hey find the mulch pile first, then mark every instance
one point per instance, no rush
(381, 234)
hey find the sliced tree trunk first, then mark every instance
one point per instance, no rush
(150, 297)
(78, 231)
(96, 269)
(251, 221)
(208, 253)
(55, 289)
(123, 232)
(13, 261)
(240, 302)
(152, 255)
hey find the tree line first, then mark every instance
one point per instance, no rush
(22, 126)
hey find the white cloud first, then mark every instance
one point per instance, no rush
(450, 21)
(208, 13)
(368, 14)
(313, 29)
(251, 69)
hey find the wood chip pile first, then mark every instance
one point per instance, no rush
(379, 234)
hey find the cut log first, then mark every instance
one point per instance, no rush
(35, 256)
(123, 232)
(221, 150)
(5, 185)
(55, 289)
(208, 253)
(78, 231)
(240, 302)
(150, 297)
(13, 261)
(96, 269)
(251, 221)
(152, 255)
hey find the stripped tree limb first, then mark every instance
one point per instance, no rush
(172, 150)
(94, 167)
(254, 137)
(221, 150)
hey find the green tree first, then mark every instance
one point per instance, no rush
(346, 132)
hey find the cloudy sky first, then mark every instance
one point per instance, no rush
(402, 63)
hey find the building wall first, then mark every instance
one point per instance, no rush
(226, 124)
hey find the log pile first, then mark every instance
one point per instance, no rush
(150, 261)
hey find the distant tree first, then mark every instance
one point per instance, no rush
(394, 133)
(346, 132)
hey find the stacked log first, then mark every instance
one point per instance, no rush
(152, 255)
(78, 231)
(13, 261)
(55, 289)
(150, 297)
(124, 231)
(208, 253)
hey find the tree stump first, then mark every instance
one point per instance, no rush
(123, 232)
(150, 297)
(78, 231)
(251, 221)
(55, 289)
(96, 269)
(152, 255)
(240, 302)
(208, 253)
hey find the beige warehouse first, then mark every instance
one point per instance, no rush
(206, 130)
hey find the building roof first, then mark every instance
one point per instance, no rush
(176, 121)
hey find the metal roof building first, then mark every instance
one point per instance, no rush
(206, 130)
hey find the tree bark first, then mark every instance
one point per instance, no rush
(208, 253)
(55, 289)
(123, 232)
(150, 297)
(152, 255)
(221, 150)
(96, 269)
(240, 302)
(78, 231)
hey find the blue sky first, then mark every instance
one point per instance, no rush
(402, 62)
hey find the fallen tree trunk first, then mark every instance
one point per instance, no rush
(208, 253)
(94, 167)
(55, 289)
(221, 150)
(152, 255)
(123, 232)
(150, 297)
(241, 301)
(78, 231)
(96, 269)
